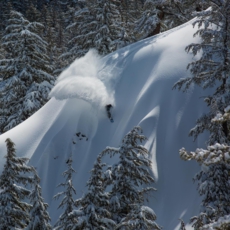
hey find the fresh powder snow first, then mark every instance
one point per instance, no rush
(137, 80)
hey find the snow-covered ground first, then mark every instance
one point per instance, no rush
(137, 80)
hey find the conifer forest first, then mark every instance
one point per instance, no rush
(39, 41)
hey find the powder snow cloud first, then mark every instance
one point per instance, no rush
(82, 80)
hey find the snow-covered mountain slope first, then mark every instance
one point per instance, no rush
(138, 81)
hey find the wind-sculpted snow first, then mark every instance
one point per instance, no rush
(139, 80)
(82, 80)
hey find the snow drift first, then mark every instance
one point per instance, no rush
(138, 81)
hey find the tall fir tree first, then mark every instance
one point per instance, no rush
(131, 181)
(81, 34)
(14, 211)
(39, 216)
(96, 25)
(66, 221)
(25, 71)
(214, 187)
(211, 70)
(108, 23)
(93, 208)
(213, 183)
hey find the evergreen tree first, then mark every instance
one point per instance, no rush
(59, 47)
(214, 187)
(130, 11)
(96, 25)
(39, 216)
(55, 35)
(108, 24)
(131, 178)
(14, 212)
(92, 212)
(65, 220)
(81, 33)
(211, 71)
(213, 184)
(25, 71)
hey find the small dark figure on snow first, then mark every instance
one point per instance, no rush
(108, 108)
(78, 134)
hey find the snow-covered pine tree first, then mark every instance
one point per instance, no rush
(80, 37)
(213, 184)
(66, 221)
(131, 179)
(93, 207)
(39, 216)
(59, 47)
(212, 70)
(107, 25)
(54, 24)
(130, 11)
(14, 212)
(217, 158)
(97, 25)
(25, 71)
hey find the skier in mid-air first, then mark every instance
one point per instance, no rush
(108, 108)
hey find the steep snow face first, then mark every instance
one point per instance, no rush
(137, 80)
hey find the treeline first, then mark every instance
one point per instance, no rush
(71, 28)
(210, 68)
